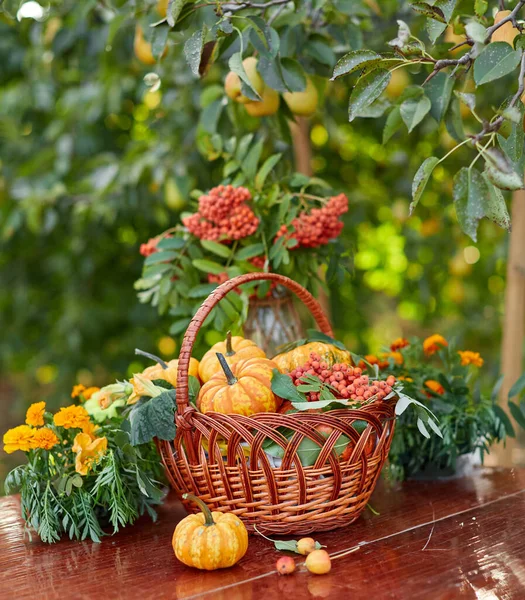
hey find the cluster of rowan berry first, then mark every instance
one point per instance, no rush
(150, 247)
(346, 381)
(223, 215)
(319, 226)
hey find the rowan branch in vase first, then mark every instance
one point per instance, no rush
(282, 228)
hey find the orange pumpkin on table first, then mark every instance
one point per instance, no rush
(245, 388)
(234, 349)
(330, 354)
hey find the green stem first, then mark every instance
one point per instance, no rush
(226, 368)
(152, 357)
(208, 517)
(229, 348)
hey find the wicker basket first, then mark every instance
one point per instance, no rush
(240, 478)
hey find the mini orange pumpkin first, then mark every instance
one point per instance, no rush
(243, 389)
(330, 354)
(209, 540)
(234, 349)
(162, 370)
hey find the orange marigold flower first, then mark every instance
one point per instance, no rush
(398, 344)
(19, 438)
(435, 386)
(434, 343)
(91, 429)
(88, 392)
(45, 438)
(470, 358)
(35, 414)
(397, 356)
(77, 390)
(71, 417)
(403, 378)
(88, 451)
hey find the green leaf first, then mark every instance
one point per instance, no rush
(286, 545)
(421, 179)
(293, 75)
(475, 31)
(249, 251)
(194, 387)
(505, 181)
(250, 162)
(495, 207)
(494, 61)
(454, 122)
(283, 386)
(368, 88)
(517, 387)
(270, 70)
(503, 417)
(319, 336)
(235, 64)
(470, 194)
(171, 243)
(517, 413)
(160, 257)
(216, 248)
(158, 40)
(392, 124)
(427, 10)
(179, 326)
(466, 98)
(497, 387)
(153, 418)
(414, 110)
(208, 266)
(202, 290)
(439, 90)
(193, 49)
(353, 61)
(480, 7)
(266, 169)
(423, 430)
(174, 9)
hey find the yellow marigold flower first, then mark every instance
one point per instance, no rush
(19, 438)
(88, 392)
(77, 390)
(71, 417)
(90, 428)
(45, 438)
(434, 343)
(88, 451)
(403, 378)
(398, 344)
(470, 358)
(435, 386)
(35, 414)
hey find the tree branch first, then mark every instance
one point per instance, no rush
(510, 17)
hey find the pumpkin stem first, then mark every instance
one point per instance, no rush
(229, 348)
(152, 357)
(207, 512)
(226, 368)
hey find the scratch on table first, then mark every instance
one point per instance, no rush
(433, 526)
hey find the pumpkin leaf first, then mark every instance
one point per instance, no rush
(153, 417)
(283, 386)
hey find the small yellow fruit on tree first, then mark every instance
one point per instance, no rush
(304, 103)
(162, 7)
(268, 105)
(507, 32)
(142, 48)
(399, 80)
(232, 83)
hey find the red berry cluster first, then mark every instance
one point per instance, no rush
(347, 380)
(151, 246)
(223, 215)
(320, 225)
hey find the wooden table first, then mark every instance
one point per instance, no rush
(441, 540)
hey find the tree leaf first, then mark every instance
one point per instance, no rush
(495, 207)
(160, 257)
(480, 7)
(216, 248)
(235, 64)
(439, 90)
(158, 40)
(475, 31)
(414, 110)
(353, 61)
(502, 180)
(265, 170)
(470, 194)
(153, 418)
(421, 179)
(427, 10)
(193, 49)
(466, 98)
(174, 9)
(368, 88)
(270, 69)
(454, 122)
(392, 124)
(517, 413)
(293, 75)
(517, 387)
(504, 418)
(494, 61)
(170, 243)
(423, 430)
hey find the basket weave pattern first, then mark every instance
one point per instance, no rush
(220, 458)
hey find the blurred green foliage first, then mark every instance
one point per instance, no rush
(93, 164)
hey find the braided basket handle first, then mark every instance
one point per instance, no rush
(214, 298)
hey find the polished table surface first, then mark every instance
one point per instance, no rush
(462, 538)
